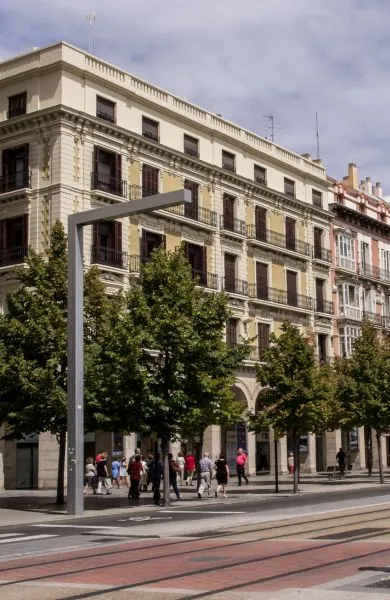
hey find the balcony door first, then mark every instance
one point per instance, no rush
(228, 212)
(317, 243)
(191, 210)
(230, 272)
(107, 171)
(261, 223)
(150, 242)
(15, 167)
(320, 295)
(149, 180)
(290, 233)
(292, 296)
(262, 281)
(13, 240)
(197, 257)
(107, 246)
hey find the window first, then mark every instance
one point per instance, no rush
(105, 109)
(232, 332)
(260, 175)
(191, 210)
(292, 297)
(107, 173)
(229, 203)
(385, 263)
(262, 281)
(263, 330)
(230, 272)
(149, 180)
(320, 295)
(107, 244)
(370, 302)
(317, 198)
(289, 187)
(346, 252)
(15, 169)
(17, 105)
(290, 233)
(348, 336)
(13, 240)
(197, 257)
(322, 348)
(318, 233)
(349, 304)
(150, 129)
(386, 306)
(228, 161)
(149, 242)
(191, 146)
(261, 223)
(365, 258)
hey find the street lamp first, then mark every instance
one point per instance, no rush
(76, 224)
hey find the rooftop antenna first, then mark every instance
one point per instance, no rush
(91, 21)
(270, 126)
(318, 138)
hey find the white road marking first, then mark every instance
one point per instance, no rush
(54, 526)
(206, 512)
(7, 535)
(26, 538)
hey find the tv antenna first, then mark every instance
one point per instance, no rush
(271, 125)
(91, 19)
(317, 137)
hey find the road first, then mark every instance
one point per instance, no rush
(223, 549)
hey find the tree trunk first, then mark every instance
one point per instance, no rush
(276, 466)
(166, 482)
(295, 441)
(379, 446)
(369, 450)
(198, 456)
(61, 468)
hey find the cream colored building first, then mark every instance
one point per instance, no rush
(77, 132)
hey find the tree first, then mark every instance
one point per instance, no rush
(33, 334)
(363, 385)
(297, 393)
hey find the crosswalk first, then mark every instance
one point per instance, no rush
(12, 538)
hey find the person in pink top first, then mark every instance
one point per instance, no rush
(190, 468)
(241, 459)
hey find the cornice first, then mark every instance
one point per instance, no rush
(355, 217)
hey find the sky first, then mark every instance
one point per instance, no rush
(245, 59)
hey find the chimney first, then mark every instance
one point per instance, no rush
(378, 189)
(353, 176)
(368, 185)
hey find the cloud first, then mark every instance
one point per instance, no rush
(245, 59)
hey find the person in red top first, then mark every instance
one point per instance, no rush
(241, 459)
(135, 471)
(190, 468)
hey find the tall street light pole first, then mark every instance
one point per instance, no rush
(76, 224)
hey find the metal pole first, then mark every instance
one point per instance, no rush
(75, 370)
(276, 466)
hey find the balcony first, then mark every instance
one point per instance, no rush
(350, 312)
(372, 272)
(207, 280)
(373, 317)
(320, 253)
(324, 306)
(100, 255)
(278, 239)
(235, 286)
(149, 190)
(349, 264)
(385, 322)
(268, 294)
(195, 213)
(15, 181)
(109, 185)
(13, 256)
(234, 225)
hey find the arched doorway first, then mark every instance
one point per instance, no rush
(235, 436)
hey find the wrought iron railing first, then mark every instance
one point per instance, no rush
(278, 239)
(196, 213)
(285, 297)
(235, 286)
(110, 185)
(320, 253)
(13, 256)
(324, 306)
(100, 255)
(15, 181)
(235, 225)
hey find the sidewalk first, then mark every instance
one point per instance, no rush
(19, 507)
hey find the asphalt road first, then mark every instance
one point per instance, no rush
(187, 518)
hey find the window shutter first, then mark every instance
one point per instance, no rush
(3, 240)
(163, 242)
(261, 223)
(118, 236)
(144, 247)
(204, 260)
(25, 229)
(185, 248)
(26, 156)
(95, 235)
(5, 161)
(118, 169)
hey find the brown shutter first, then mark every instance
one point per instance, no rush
(292, 288)
(262, 280)
(118, 174)
(96, 159)
(290, 233)
(95, 235)
(317, 242)
(5, 162)
(163, 242)
(261, 223)
(26, 156)
(205, 261)
(3, 239)
(144, 248)
(228, 211)
(320, 295)
(263, 338)
(25, 231)
(118, 257)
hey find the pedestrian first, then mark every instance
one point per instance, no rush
(135, 471)
(115, 472)
(369, 461)
(190, 468)
(103, 476)
(222, 475)
(340, 457)
(136, 452)
(123, 472)
(98, 457)
(181, 462)
(173, 471)
(241, 458)
(205, 472)
(158, 473)
(144, 478)
(290, 464)
(89, 476)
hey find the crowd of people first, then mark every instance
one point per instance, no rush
(140, 472)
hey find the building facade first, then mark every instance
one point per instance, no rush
(361, 277)
(77, 132)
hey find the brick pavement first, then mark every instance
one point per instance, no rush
(220, 566)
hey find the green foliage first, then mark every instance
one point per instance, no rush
(296, 395)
